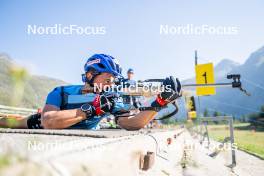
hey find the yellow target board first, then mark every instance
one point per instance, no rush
(191, 108)
(205, 75)
(192, 115)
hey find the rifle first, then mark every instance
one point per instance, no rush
(140, 90)
(236, 83)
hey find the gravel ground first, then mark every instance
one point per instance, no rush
(114, 152)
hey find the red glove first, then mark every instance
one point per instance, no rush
(171, 92)
(101, 105)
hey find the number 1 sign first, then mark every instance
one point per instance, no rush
(205, 75)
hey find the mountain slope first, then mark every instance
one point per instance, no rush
(35, 90)
(233, 101)
(224, 67)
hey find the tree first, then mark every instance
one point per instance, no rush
(206, 113)
(216, 113)
(261, 114)
(242, 119)
(257, 119)
(169, 121)
(19, 77)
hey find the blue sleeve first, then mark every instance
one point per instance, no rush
(119, 106)
(54, 97)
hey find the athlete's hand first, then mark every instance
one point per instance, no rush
(172, 91)
(102, 105)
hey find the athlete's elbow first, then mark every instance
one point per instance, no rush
(47, 120)
(131, 127)
(134, 128)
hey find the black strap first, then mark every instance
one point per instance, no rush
(64, 98)
(34, 121)
(157, 109)
(93, 78)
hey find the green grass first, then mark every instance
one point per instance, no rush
(246, 139)
(4, 161)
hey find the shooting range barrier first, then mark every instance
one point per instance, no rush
(205, 135)
(4, 110)
(86, 152)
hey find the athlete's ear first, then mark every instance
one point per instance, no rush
(89, 75)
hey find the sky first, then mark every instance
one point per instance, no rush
(132, 34)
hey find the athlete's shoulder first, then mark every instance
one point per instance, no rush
(70, 89)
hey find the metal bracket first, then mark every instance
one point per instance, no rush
(231, 130)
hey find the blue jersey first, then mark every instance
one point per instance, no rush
(129, 82)
(70, 97)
